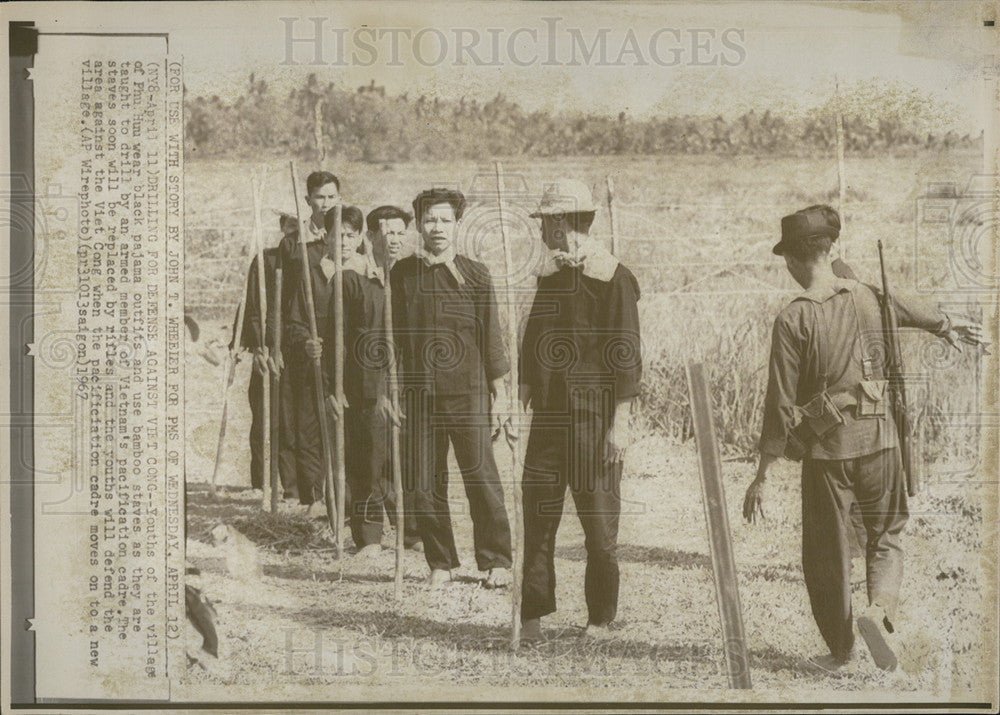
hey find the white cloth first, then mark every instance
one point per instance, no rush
(446, 258)
(597, 262)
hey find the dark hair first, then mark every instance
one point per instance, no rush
(288, 224)
(320, 178)
(384, 213)
(350, 215)
(808, 248)
(429, 197)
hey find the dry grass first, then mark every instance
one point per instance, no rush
(669, 645)
(699, 242)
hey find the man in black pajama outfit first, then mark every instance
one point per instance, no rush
(365, 383)
(452, 359)
(580, 369)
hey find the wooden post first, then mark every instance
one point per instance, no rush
(318, 130)
(841, 177)
(396, 452)
(227, 379)
(317, 365)
(515, 416)
(276, 391)
(723, 565)
(338, 374)
(258, 237)
(611, 216)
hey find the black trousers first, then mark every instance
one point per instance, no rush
(365, 455)
(875, 483)
(411, 532)
(434, 421)
(303, 419)
(286, 437)
(567, 451)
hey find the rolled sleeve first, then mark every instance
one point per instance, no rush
(915, 312)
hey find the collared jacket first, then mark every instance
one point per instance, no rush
(832, 339)
(581, 345)
(448, 333)
(366, 358)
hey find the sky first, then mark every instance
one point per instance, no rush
(667, 57)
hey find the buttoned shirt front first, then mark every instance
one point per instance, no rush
(447, 330)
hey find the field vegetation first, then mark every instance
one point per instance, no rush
(696, 226)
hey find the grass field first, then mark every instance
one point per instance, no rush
(697, 231)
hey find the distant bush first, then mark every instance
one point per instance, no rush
(369, 126)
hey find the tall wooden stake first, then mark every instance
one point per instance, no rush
(396, 452)
(324, 430)
(515, 413)
(276, 391)
(841, 177)
(723, 564)
(227, 379)
(258, 236)
(611, 216)
(338, 373)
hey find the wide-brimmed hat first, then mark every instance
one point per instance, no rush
(822, 221)
(565, 196)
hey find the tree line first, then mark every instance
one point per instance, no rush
(366, 124)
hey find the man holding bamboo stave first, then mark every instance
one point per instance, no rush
(368, 409)
(323, 193)
(384, 245)
(255, 341)
(452, 359)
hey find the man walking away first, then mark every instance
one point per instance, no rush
(827, 398)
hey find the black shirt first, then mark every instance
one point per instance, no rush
(581, 343)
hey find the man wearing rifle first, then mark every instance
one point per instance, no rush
(580, 368)
(827, 404)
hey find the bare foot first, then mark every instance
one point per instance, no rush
(438, 578)
(829, 663)
(368, 552)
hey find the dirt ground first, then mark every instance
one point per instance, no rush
(314, 629)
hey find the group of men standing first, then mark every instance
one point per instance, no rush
(452, 363)
(580, 370)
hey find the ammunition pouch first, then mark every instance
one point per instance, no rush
(872, 398)
(815, 419)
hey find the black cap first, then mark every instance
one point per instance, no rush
(813, 221)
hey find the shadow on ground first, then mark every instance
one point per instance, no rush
(657, 555)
